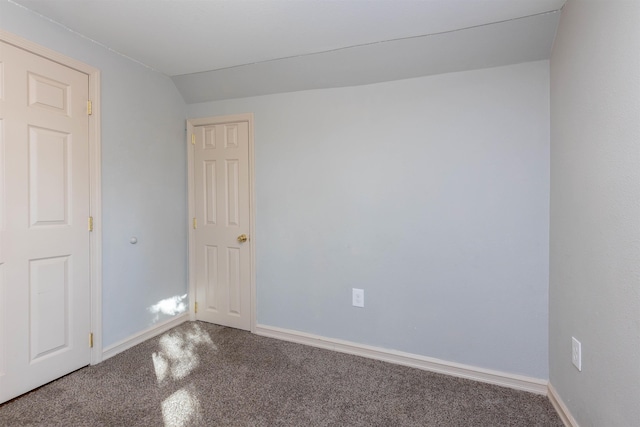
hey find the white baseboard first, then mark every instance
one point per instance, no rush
(136, 339)
(560, 407)
(518, 382)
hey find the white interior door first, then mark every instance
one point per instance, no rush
(44, 207)
(222, 223)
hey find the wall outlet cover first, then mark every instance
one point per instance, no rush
(576, 353)
(357, 297)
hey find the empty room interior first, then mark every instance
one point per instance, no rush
(474, 213)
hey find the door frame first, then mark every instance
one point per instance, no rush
(95, 182)
(215, 120)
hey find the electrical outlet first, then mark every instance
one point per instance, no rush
(576, 353)
(358, 297)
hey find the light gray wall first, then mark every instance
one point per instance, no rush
(431, 194)
(507, 42)
(595, 211)
(143, 177)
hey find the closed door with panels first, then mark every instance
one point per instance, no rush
(44, 211)
(222, 223)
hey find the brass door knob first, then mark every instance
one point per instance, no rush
(242, 238)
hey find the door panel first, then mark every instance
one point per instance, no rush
(49, 286)
(223, 263)
(211, 277)
(232, 191)
(211, 205)
(233, 280)
(48, 176)
(44, 206)
(48, 94)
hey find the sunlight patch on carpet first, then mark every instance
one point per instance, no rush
(178, 355)
(181, 408)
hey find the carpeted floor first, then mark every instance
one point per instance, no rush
(207, 375)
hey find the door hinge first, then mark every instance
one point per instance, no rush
(195, 223)
(193, 139)
(89, 109)
(90, 339)
(196, 307)
(90, 223)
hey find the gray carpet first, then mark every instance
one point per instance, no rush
(208, 375)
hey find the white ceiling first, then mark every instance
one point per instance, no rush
(231, 48)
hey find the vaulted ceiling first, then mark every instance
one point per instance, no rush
(221, 49)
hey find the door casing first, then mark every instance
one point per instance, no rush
(191, 123)
(95, 193)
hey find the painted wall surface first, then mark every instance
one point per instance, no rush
(595, 211)
(431, 194)
(143, 179)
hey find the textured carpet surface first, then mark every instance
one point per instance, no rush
(207, 375)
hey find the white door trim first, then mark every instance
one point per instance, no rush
(191, 123)
(94, 176)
